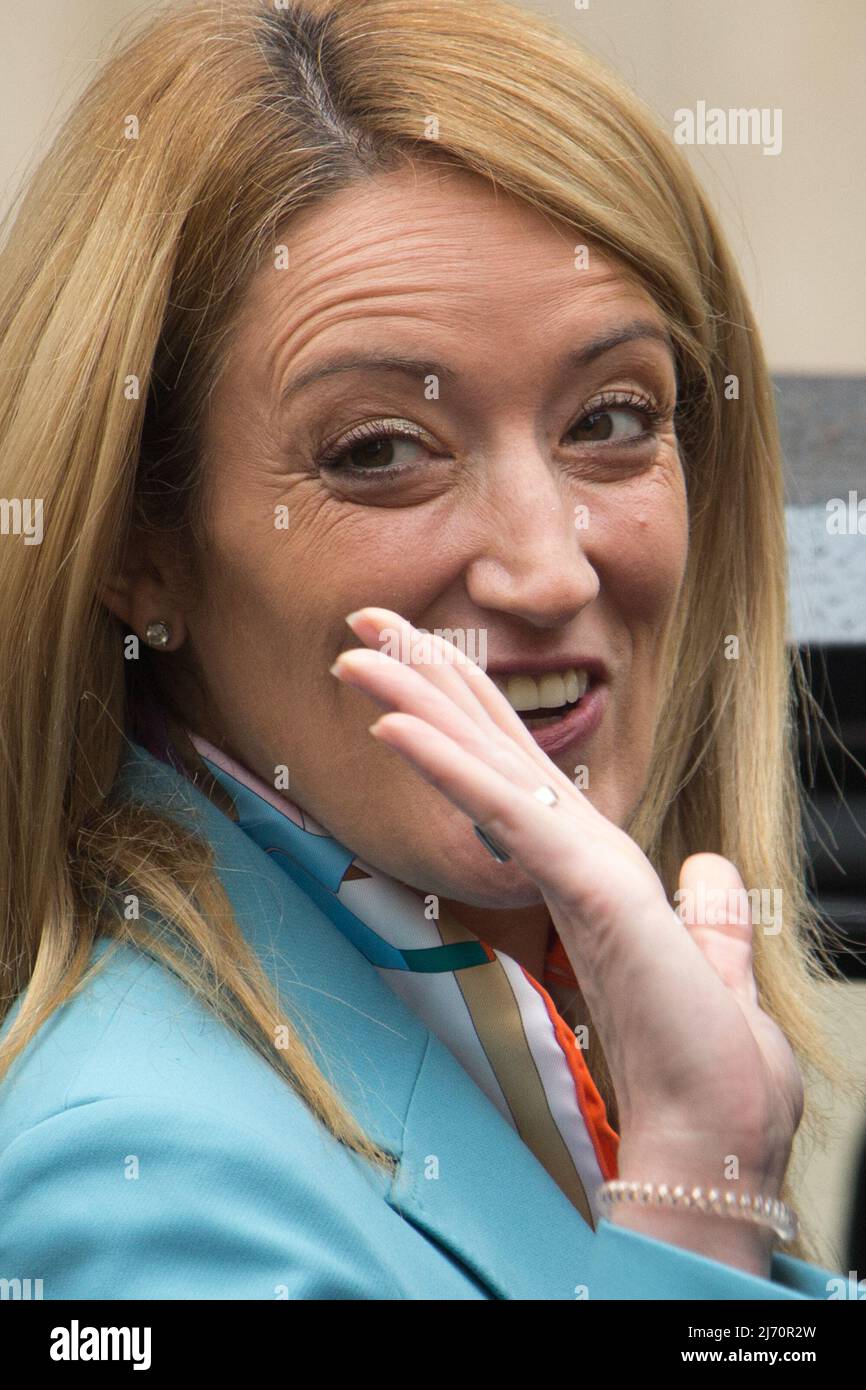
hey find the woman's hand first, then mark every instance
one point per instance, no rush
(707, 1086)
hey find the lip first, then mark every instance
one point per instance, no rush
(575, 727)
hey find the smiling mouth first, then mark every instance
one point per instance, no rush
(544, 700)
(539, 719)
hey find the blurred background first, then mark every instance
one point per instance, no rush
(797, 223)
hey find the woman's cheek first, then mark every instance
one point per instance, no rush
(650, 559)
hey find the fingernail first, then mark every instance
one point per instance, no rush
(350, 616)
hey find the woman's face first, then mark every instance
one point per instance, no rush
(529, 502)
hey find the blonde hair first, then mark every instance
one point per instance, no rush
(129, 258)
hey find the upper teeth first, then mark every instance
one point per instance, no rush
(546, 692)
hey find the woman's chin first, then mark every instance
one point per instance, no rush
(486, 883)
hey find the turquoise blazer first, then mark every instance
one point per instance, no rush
(147, 1152)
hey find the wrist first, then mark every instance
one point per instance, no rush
(740, 1244)
(678, 1152)
(679, 1157)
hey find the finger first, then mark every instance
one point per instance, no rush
(533, 834)
(713, 904)
(438, 661)
(396, 685)
(445, 664)
(452, 670)
(401, 688)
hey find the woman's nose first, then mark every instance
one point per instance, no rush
(532, 561)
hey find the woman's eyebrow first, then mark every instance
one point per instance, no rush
(421, 367)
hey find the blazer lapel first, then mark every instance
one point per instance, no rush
(470, 1183)
(464, 1177)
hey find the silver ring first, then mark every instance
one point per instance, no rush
(547, 795)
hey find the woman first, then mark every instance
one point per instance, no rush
(303, 1012)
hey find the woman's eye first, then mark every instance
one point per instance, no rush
(374, 449)
(384, 452)
(612, 423)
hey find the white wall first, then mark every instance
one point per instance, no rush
(48, 53)
(797, 220)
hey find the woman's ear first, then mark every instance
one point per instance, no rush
(144, 591)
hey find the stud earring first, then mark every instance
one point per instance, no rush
(157, 634)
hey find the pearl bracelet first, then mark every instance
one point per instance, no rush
(764, 1211)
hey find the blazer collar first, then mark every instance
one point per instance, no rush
(464, 1177)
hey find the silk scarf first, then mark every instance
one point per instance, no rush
(500, 1023)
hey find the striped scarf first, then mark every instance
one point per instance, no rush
(500, 1023)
